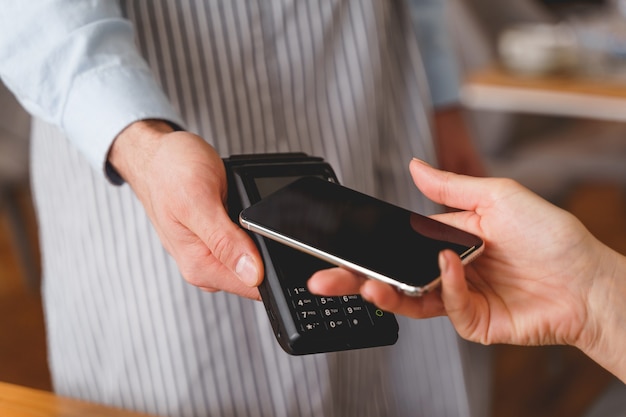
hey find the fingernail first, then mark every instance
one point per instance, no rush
(421, 161)
(443, 263)
(247, 271)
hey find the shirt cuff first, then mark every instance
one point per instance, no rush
(103, 102)
(437, 51)
(444, 83)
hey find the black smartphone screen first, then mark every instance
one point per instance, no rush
(352, 227)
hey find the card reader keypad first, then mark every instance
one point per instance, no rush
(329, 314)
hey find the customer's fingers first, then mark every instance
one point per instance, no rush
(455, 293)
(452, 190)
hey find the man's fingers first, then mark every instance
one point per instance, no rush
(233, 247)
(229, 245)
(243, 291)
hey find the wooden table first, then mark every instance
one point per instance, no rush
(17, 401)
(496, 89)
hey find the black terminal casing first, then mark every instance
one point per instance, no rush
(302, 323)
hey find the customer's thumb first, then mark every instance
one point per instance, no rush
(455, 293)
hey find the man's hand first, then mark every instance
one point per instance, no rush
(180, 180)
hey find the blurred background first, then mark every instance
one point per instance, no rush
(545, 92)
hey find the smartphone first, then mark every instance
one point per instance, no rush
(360, 233)
(302, 322)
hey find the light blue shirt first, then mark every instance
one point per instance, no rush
(436, 48)
(75, 64)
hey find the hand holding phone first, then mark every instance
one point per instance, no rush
(360, 233)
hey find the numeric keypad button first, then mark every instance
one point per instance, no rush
(331, 312)
(308, 315)
(336, 324)
(303, 303)
(311, 326)
(327, 301)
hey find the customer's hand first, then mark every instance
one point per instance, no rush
(543, 278)
(181, 182)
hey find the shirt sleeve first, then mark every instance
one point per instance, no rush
(75, 64)
(428, 18)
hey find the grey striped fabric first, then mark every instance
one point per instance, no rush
(340, 79)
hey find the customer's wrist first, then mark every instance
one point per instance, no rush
(604, 336)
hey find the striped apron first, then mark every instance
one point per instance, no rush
(338, 79)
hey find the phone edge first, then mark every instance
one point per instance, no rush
(342, 263)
